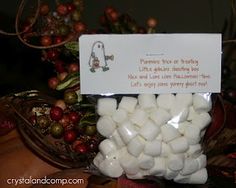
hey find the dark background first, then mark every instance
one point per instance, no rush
(22, 69)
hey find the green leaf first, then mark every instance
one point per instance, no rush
(72, 46)
(70, 81)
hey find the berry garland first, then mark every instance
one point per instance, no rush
(54, 30)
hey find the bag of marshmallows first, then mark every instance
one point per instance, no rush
(154, 102)
(154, 135)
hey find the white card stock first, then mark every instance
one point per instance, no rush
(150, 63)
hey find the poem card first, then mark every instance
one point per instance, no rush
(150, 63)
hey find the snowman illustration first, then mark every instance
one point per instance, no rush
(98, 59)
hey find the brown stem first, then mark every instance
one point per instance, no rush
(229, 41)
(30, 25)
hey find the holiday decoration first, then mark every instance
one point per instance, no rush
(63, 133)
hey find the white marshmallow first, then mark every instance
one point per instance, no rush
(194, 151)
(106, 126)
(190, 166)
(128, 103)
(192, 134)
(136, 146)
(147, 101)
(136, 128)
(181, 179)
(127, 131)
(160, 116)
(202, 102)
(153, 148)
(106, 106)
(129, 164)
(202, 161)
(111, 167)
(182, 126)
(179, 145)
(186, 99)
(170, 174)
(169, 133)
(159, 146)
(159, 168)
(202, 133)
(191, 114)
(123, 151)
(179, 113)
(165, 150)
(120, 115)
(146, 162)
(149, 131)
(98, 159)
(106, 147)
(139, 175)
(199, 177)
(139, 117)
(115, 154)
(175, 162)
(202, 120)
(115, 137)
(165, 101)
(159, 137)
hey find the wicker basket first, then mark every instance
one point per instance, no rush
(55, 151)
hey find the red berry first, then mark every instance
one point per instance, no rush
(58, 40)
(32, 119)
(81, 148)
(46, 40)
(62, 9)
(65, 120)
(73, 67)
(59, 66)
(108, 10)
(152, 22)
(44, 9)
(53, 82)
(70, 136)
(70, 7)
(75, 143)
(52, 54)
(74, 117)
(113, 16)
(79, 27)
(56, 113)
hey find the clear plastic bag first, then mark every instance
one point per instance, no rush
(154, 135)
